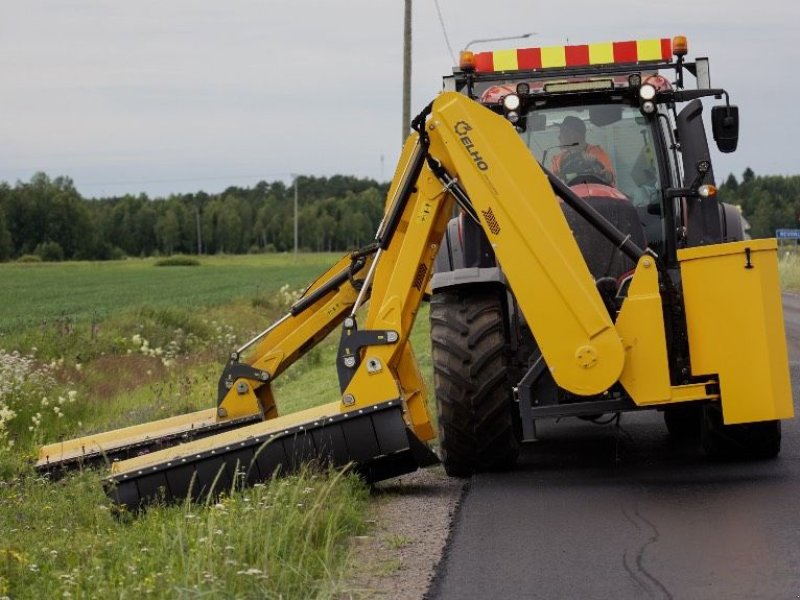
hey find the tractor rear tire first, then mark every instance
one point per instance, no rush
(684, 421)
(747, 441)
(478, 426)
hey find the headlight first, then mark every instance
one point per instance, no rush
(512, 116)
(511, 102)
(647, 92)
(648, 107)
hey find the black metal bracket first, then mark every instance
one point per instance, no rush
(525, 396)
(536, 401)
(748, 264)
(235, 370)
(350, 345)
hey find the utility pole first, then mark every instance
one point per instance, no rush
(199, 230)
(296, 177)
(406, 71)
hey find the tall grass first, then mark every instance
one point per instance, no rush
(281, 539)
(789, 268)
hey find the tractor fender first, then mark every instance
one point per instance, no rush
(465, 259)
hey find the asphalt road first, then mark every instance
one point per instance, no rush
(592, 512)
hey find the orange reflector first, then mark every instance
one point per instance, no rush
(707, 191)
(680, 47)
(466, 60)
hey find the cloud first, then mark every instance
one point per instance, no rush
(151, 91)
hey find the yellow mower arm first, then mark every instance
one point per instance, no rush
(382, 421)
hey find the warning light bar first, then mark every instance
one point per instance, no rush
(552, 57)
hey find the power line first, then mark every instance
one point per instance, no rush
(444, 31)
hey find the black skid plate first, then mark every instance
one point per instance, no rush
(375, 440)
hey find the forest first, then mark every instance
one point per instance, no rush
(49, 219)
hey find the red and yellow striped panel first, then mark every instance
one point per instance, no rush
(607, 53)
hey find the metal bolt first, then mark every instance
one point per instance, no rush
(264, 376)
(228, 384)
(373, 365)
(349, 361)
(221, 412)
(646, 263)
(234, 356)
(349, 322)
(348, 400)
(242, 387)
(392, 337)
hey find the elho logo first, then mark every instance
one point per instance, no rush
(462, 128)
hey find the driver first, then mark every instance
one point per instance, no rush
(580, 158)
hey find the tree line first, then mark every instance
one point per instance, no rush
(48, 217)
(768, 202)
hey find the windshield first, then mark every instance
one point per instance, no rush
(617, 136)
(611, 144)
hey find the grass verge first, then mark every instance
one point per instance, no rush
(789, 267)
(281, 539)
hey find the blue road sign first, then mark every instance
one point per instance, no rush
(787, 234)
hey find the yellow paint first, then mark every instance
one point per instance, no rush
(735, 323)
(120, 438)
(236, 404)
(396, 295)
(640, 323)
(505, 60)
(601, 54)
(648, 49)
(554, 56)
(276, 425)
(533, 242)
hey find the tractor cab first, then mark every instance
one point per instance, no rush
(614, 122)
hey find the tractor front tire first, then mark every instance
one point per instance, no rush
(478, 427)
(747, 441)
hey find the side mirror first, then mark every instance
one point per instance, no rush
(725, 125)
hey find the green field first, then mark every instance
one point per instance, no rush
(34, 292)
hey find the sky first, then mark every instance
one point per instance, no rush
(175, 96)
